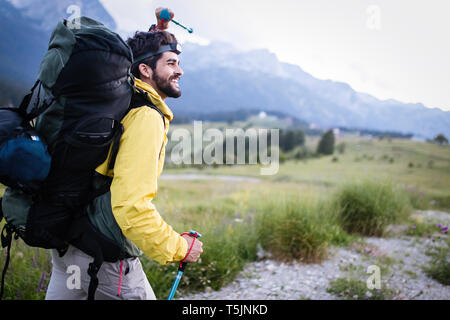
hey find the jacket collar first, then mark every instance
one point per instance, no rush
(154, 98)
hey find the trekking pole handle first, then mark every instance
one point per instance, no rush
(194, 234)
(165, 16)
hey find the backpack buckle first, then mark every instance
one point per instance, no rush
(6, 235)
(93, 270)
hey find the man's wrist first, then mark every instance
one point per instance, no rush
(183, 250)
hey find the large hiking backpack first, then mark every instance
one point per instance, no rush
(83, 91)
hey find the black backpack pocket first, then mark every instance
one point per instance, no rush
(87, 146)
(47, 225)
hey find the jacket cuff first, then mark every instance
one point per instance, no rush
(182, 250)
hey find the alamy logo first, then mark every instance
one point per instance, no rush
(73, 22)
(373, 17)
(74, 280)
(214, 146)
(374, 280)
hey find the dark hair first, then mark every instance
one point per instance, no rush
(143, 42)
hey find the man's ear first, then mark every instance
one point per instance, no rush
(145, 71)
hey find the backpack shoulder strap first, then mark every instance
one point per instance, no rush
(141, 99)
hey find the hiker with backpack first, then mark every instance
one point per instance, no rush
(106, 132)
(139, 161)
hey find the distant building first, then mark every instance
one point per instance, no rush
(336, 132)
(262, 115)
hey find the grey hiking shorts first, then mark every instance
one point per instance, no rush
(70, 280)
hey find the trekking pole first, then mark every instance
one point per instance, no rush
(181, 267)
(165, 15)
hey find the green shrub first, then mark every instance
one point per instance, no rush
(420, 229)
(439, 267)
(440, 201)
(326, 143)
(367, 208)
(296, 229)
(341, 147)
(353, 289)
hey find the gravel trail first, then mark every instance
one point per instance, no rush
(403, 256)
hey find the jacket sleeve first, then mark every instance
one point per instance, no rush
(135, 185)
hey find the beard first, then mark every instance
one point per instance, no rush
(166, 86)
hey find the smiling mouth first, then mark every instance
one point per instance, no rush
(175, 81)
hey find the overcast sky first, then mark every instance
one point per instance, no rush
(391, 49)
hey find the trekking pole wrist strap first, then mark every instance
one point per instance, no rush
(190, 249)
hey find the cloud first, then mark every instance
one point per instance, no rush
(390, 49)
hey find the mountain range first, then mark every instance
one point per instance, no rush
(257, 79)
(218, 77)
(26, 26)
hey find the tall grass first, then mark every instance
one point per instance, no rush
(439, 267)
(297, 228)
(290, 227)
(227, 247)
(368, 207)
(28, 273)
(290, 224)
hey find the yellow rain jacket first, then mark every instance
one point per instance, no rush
(138, 165)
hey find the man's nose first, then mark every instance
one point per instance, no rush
(180, 71)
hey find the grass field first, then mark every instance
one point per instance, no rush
(294, 213)
(423, 169)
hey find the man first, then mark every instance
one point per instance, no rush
(126, 212)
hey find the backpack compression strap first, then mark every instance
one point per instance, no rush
(37, 110)
(22, 109)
